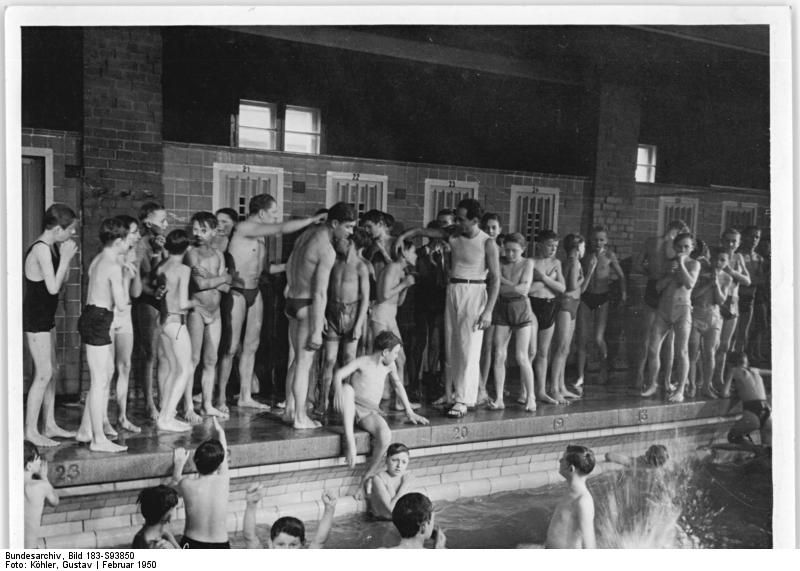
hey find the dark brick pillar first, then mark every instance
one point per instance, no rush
(122, 108)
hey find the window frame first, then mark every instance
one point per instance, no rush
(274, 107)
(665, 201)
(430, 187)
(318, 134)
(652, 151)
(728, 205)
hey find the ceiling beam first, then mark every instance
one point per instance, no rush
(376, 44)
(697, 36)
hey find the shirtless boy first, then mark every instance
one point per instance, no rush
(106, 292)
(226, 222)
(594, 302)
(572, 524)
(247, 251)
(414, 518)
(512, 312)
(756, 413)
(490, 223)
(286, 532)
(359, 400)
(674, 312)
(157, 505)
(149, 253)
(751, 236)
(38, 490)
(654, 457)
(46, 269)
(308, 272)
(346, 312)
(205, 496)
(210, 279)
(176, 344)
(547, 285)
(388, 486)
(713, 287)
(379, 253)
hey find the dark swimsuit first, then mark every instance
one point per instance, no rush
(189, 543)
(294, 305)
(651, 295)
(249, 294)
(39, 306)
(594, 300)
(544, 308)
(94, 325)
(760, 408)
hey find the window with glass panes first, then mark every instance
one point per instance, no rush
(646, 163)
(257, 125)
(301, 130)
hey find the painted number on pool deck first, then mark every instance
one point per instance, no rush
(559, 423)
(460, 432)
(643, 415)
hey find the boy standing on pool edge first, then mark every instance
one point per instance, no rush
(572, 524)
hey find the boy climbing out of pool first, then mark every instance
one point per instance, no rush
(287, 532)
(157, 505)
(385, 488)
(414, 518)
(359, 400)
(38, 491)
(205, 496)
(572, 524)
(655, 457)
(756, 413)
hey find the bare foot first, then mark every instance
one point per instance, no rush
(710, 393)
(677, 396)
(128, 425)
(483, 398)
(287, 418)
(531, 406)
(443, 400)
(83, 436)
(106, 446)
(152, 411)
(209, 410)
(545, 398)
(173, 425)
(306, 424)
(40, 440)
(578, 382)
(570, 395)
(108, 430)
(496, 404)
(193, 418)
(252, 403)
(560, 399)
(691, 390)
(650, 391)
(54, 431)
(222, 406)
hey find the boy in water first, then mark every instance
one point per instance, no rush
(158, 507)
(512, 313)
(359, 400)
(176, 343)
(386, 487)
(106, 292)
(38, 490)
(287, 532)
(654, 457)
(756, 413)
(414, 518)
(572, 524)
(210, 279)
(206, 495)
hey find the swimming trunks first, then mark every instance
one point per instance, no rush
(249, 294)
(651, 295)
(746, 298)
(512, 311)
(148, 299)
(364, 409)
(207, 317)
(295, 304)
(122, 323)
(94, 325)
(340, 320)
(679, 315)
(760, 408)
(730, 307)
(706, 317)
(189, 543)
(544, 308)
(594, 300)
(570, 305)
(39, 306)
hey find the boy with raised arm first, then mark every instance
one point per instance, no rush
(247, 249)
(756, 413)
(210, 278)
(359, 400)
(287, 532)
(38, 491)
(385, 488)
(655, 456)
(205, 496)
(105, 293)
(175, 340)
(345, 313)
(572, 523)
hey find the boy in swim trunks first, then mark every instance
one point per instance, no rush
(547, 285)
(756, 413)
(106, 291)
(674, 312)
(385, 488)
(175, 340)
(594, 302)
(205, 495)
(512, 312)
(713, 287)
(359, 400)
(345, 313)
(755, 264)
(287, 532)
(572, 523)
(575, 283)
(210, 279)
(38, 491)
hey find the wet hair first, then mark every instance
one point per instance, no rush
(111, 229)
(230, 213)
(360, 238)
(731, 230)
(208, 456)
(571, 242)
(177, 242)
(155, 503)
(342, 212)
(58, 215)
(290, 526)
(205, 219)
(656, 455)
(407, 245)
(374, 216)
(736, 358)
(489, 216)
(473, 208)
(683, 236)
(678, 225)
(127, 221)
(260, 202)
(700, 249)
(410, 513)
(396, 448)
(515, 238)
(29, 452)
(581, 457)
(147, 209)
(385, 340)
(546, 235)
